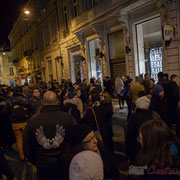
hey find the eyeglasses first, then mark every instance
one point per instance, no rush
(90, 140)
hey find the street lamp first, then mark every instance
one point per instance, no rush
(26, 11)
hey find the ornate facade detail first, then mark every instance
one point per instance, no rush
(99, 29)
(164, 10)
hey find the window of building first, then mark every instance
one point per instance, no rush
(46, 31)
(11, 71)
(65, 17)
(89, 3)
(75, 8)
(95, 62)
(50, 70)
(54, 29)
(149, 47)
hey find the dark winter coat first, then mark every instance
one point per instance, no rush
(101, 119)
(135, 121)
(161, 107)
(45, 136)
(71, 107)
(23, 111)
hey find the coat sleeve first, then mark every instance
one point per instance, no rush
(89, 118)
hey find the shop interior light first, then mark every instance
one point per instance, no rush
(26, 11)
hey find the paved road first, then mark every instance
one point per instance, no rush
(26, 171)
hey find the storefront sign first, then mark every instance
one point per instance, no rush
(156, 62)
(168, 32)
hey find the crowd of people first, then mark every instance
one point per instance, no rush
(66, 129)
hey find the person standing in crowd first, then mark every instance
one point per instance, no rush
(134, 91)
(36, 101)
(19, 109)
(108, 85)
(45, 136)
(141, 115)
(159, 103)
(70, 106)
(173, 98)
(159, 151)
(94, 114)
(83, 138)
(80, 105)
(106, 103)
(151, 84)
(145, 82)
(118, 88)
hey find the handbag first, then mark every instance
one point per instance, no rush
(98, 134)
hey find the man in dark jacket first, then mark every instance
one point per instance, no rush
(70, 106)
(159, 103)
(45, 137)
(19, 109)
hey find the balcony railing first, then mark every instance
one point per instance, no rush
(95, 12)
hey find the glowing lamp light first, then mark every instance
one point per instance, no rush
(4, 53)
(27, 12)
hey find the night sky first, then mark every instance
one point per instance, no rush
(9, 12)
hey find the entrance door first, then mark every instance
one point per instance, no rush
(76, 66)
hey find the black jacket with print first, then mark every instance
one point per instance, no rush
(45, 136)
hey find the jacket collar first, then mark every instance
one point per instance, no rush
(50, 108)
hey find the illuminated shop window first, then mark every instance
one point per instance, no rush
(149, 47)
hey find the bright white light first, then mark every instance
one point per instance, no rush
(4, 53)
(27, 12)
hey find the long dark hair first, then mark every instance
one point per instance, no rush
(156, 140)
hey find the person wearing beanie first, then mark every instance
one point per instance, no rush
(81, 138)
(86, 165)
(159, 103)
(70, 106)
(141, 115)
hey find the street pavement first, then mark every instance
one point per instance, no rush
(26, 171)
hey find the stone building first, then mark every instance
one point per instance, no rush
(80, 39)
(7, 69)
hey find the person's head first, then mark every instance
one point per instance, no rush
(86, 165)
(155, 137)
(72, 95)
(166, 76)
(94, 96)
(174, 78)
(106, 97)
(83, 136)
(49, 85)
(18, 89)
(9, 93)
(78, 92)
(49, 98)
(160, 75)
(25, 87)
(159, 90)
(76, 85)
(143, 103)
(138, 79)
(151, 82)
(36, 92)
(147, 76)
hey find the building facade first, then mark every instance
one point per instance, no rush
(7, 69)
(80, 39)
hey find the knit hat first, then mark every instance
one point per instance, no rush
(86, 165)
(157, 89)
(78, 133)
(71, 95)
(143, 102)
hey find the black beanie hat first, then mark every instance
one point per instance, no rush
(78, 133)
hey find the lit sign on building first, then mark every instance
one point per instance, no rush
(168, 32)
(156, 62)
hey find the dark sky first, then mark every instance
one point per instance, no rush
(9, 12)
